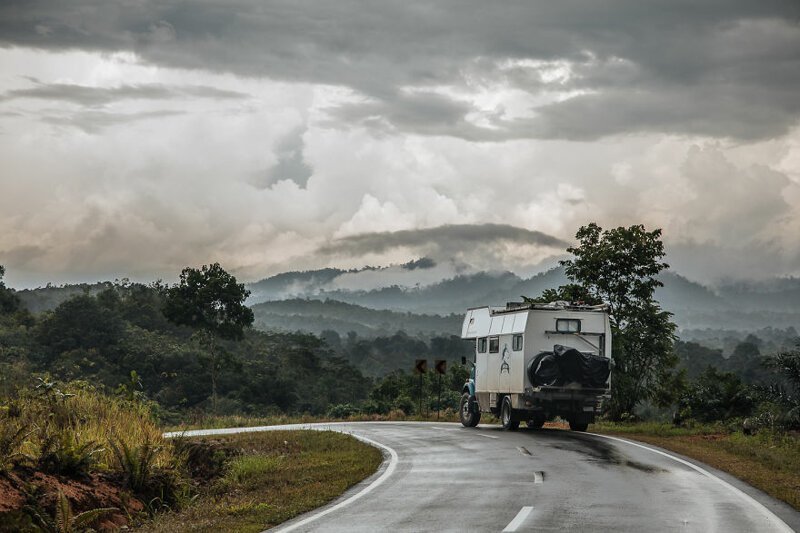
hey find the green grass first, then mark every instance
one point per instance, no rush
(768, 460)
(237, 421)
(77, 419)
(278, 475)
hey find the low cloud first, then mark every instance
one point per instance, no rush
(99, 96)
(447, 237)
(95, 121)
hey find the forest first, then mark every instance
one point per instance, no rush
(117, 337)
(120, 340)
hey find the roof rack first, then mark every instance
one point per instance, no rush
(512, 307)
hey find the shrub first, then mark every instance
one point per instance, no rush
(717, 396)
(135, 462)
(63, 452)
(343, 410)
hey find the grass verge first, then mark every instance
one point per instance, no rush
(237, 421)
(768, 461)
(272, 477)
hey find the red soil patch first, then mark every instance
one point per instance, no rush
(10, 498)
(24, 486)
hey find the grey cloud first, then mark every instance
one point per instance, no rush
(291, 165)
(447, 237)
(669, 51)
(98, 96)
(95, 121)
(21, 256)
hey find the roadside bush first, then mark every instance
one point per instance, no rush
(66, 429)
(62, 451)
(343, 410)
(781, 401)
(717, 396)
(405, 404)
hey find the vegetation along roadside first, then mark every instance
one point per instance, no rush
(768, 460)
(257, 480)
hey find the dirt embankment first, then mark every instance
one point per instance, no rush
(28, 498)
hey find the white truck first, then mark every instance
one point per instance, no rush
(534, 362)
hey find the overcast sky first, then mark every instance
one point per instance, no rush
(139, 137)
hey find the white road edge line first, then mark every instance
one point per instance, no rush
(393, 460)
(769, 515)
(519, 519)
(487, 436)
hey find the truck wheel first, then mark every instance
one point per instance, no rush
(505, 415)
(469, 419)
(578, 426)
(536, 422)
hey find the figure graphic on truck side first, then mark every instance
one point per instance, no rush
(556, 361)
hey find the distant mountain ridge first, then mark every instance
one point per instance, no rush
(739, 306)
(317, 299)
(316, 316)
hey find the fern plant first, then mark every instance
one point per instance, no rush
(62, 453)
(66, 521)
(12, 435)
(137, 463)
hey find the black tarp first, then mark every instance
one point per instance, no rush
(566, 365)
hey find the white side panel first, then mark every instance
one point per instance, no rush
(520, 321)
(508, 323)
(493, 372)
(496, 325)
(504, 371)
(481, 372)
(476, 323)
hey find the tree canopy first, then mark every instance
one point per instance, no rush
(9, 302)
(619, 266)
(209, 299)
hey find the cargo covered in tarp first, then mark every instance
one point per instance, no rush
(566, 365)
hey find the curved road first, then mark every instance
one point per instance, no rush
(444, 477)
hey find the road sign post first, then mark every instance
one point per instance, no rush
(420, 367)
(441, 368)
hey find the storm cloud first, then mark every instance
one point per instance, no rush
(720, 68)
(141, 137)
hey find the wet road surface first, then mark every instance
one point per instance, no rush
(444, 477)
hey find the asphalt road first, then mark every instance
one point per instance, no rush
(444, 477)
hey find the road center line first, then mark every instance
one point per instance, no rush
(766, 513)
(519, 519)
(487, 436)
(523, 450)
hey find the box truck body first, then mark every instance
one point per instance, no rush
(544, 360)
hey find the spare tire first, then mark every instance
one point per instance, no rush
(544, 371)
(587, 369)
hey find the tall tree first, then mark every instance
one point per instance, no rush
(9, 301)
(210, 301)
(619, 266)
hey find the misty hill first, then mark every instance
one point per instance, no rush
(316, 316)
(742, 306)
(295, 283)
(775, 294)
(49, 297)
